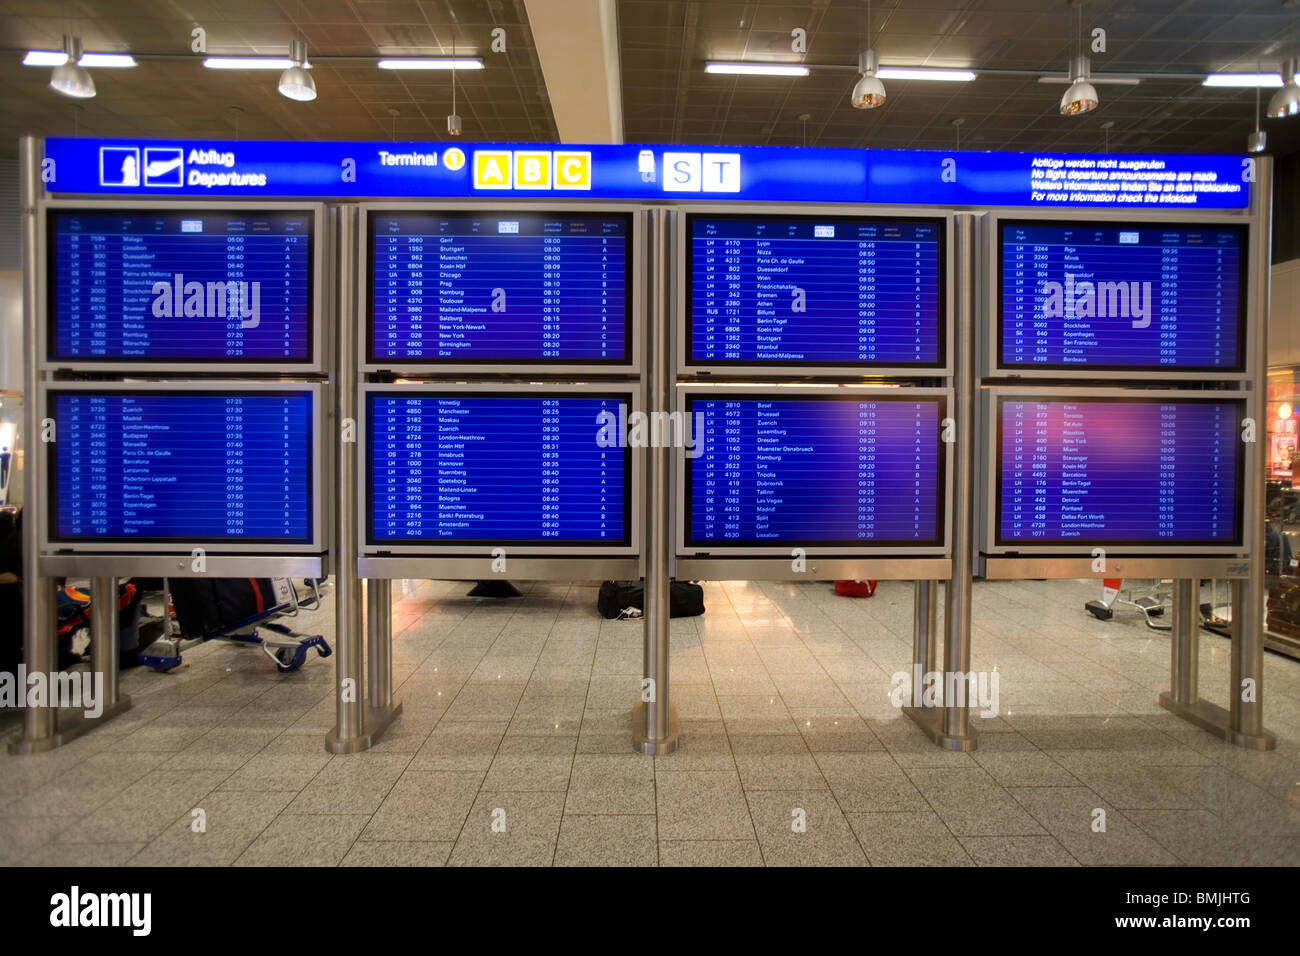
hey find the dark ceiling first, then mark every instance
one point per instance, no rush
(667, 97)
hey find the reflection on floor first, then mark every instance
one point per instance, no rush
(517, 713)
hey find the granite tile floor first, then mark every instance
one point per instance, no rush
(514, 746)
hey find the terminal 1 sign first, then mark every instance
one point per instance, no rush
(95, 167)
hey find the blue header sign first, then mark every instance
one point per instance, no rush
(368, 170)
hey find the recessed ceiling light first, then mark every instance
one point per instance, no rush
(247, 63)
(1244, 79)
(415, 63)
(757, 69)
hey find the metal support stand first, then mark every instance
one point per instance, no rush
(654, 721)
(925, 617)
(40, 731)
(357, 726)
(1242, 723)
(379, 641)
(949, 726)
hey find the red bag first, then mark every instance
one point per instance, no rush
(862, 589)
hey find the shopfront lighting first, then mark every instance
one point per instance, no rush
(1285, 411)
(1286, 101)
(295, 82)
(70, 78)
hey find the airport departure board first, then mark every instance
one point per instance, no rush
(1112, 296)
(1098, 471)
(832, 471)
(521, 287)
(155, 286)
(188, 467)
(461, 468)
(804, 291)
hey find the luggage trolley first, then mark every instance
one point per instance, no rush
(202, 617)
(1149, 595)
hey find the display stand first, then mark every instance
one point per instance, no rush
(948, 725)
(363, 710)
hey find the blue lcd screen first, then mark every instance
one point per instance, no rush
(1130, 471)
(184, 467)
(834, 471)
(1114, 296)
(522, 287)
(184, 286)
(805, 291)
(501, 469)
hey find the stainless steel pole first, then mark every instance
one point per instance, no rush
(105, 638)
(957, 593)
(1246, 704)
(654, 731)
(349, 685)
(379, 640)
(39, 638)
(1184, 650)
(925, 613)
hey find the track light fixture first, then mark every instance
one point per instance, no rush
(295, 82)
(1286, 101)
(869, 91)
(70, 78)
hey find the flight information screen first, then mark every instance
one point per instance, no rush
(797, 290)
(1114, 296)
(518, 287)
(1119, 471)
(501, 469)
(184, 286)
(819, 471)
(181, 467)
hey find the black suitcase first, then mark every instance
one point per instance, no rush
(204, 605)
(685, 598)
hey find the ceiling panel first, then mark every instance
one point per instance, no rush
(505, 101)
(1037, 36)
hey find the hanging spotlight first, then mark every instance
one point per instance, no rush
(453, 118)
(868, 92)
(295, 82)
(1081, 97)
(1286, 101)
(70, 78)
(1257, 140)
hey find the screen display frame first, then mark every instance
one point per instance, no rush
(49, 543)
(679, 294)
(634, 502)
(990, 343)
(636, 290)
(681, 489)
(990, 474)
(319, 315)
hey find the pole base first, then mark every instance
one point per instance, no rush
(376, 720)
(69, 725)
(1213, 718)
(649, 745)
(930, 720)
